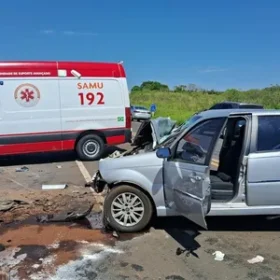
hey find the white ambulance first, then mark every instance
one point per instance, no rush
(58, 106)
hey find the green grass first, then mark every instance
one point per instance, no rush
(181, 105)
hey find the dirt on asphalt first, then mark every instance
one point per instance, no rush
(39, 202)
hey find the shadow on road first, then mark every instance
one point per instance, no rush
(185, 232)
(246, 223)
(40, 158)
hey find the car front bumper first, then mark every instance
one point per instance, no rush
(97, 183)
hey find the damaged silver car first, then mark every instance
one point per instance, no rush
(170, 172)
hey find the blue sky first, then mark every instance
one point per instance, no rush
(212, 43)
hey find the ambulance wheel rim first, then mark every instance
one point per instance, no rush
(91, 148)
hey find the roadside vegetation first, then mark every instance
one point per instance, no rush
(184, 100)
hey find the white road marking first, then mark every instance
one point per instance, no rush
(84, 171)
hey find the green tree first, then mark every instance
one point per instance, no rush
(153, 85)
(180, 88)
(135, 89)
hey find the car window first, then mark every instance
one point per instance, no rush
(226, 106)
(217, 106)
(140, 108)
(249, 106)
(268, 138)
(197, 145)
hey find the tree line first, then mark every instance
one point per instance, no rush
(157, 86)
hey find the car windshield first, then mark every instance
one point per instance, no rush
(190, 121)
(167, 140)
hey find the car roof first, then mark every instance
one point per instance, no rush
(238, 103)
(226, 112)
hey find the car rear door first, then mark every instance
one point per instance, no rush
(187, 172)
(263, 177)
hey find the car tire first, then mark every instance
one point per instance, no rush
(90, 147)
(143, 218)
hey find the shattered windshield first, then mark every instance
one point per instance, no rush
(168, 139)
(163, 128)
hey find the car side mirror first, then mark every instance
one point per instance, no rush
(163, 153)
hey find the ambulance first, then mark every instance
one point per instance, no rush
(59, 106)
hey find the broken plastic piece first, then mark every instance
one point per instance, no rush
(219, 256)
(257, 259)
(22, 169)
(54, 187)
(65, 217)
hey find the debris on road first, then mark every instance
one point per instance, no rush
(257, 259)
(65, 217)
(36, 266)
(22, 169)
(94, 220)
(219, 256)
(115, 234)
(180, 251)
(7, 205)
(2, 247)
(24, 204)
(58, 166)
(54, 187)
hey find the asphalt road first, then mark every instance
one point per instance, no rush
(152, 255)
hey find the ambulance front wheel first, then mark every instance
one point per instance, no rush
(90, 147)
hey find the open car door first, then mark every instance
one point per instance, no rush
(187, 171)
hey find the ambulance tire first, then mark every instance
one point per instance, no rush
(90, 147)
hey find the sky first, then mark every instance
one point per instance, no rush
(215, 44)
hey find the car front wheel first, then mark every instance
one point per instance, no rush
(127, 209)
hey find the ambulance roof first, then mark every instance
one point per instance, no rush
(12, 69)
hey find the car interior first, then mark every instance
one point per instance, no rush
(224, 180)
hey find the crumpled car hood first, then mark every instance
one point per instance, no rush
(160, 129)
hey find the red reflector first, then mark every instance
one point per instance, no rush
(127, 118)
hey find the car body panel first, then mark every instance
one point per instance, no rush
(263, 179)
(187, 184)
(145, 173)
(140, 113)
(187, 190)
